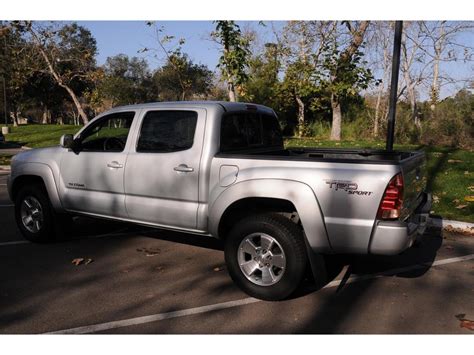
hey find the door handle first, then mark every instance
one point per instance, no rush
(114, 165)
(183, 168)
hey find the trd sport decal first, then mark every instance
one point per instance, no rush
(347, 186)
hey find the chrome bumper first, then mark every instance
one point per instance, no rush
(393, 237)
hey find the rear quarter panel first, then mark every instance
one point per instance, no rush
(347, 215)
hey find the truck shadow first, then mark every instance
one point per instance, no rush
(412, 263)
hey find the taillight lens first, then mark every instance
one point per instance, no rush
(391, 205)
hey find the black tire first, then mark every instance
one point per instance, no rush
(51, 226)
(290, 238)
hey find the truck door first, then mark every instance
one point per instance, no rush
(162, 172)
(92, 177)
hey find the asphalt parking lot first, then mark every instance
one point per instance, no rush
(142, 280)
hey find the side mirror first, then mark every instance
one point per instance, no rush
(67, 141)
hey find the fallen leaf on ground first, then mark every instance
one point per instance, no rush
(435, 199)
(468, 324)
(471, 188)
(469, 198)
(454, 161)
(468, 231)
(466, 172)
(88, 261)
(456, 200)
(77, 261)
(149, 251)
(437, 154)
(465, 323)
(218, 268)
(460, 207)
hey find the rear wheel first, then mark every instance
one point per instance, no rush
(35, 216)
(266, 256)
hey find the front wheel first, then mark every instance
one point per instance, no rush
(266, 256)
(34, 214)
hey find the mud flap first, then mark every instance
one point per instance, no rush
(318, 266)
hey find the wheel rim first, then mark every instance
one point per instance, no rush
(261, 259)
(32, 214)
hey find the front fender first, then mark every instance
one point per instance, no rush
(45, 173)
(300, 194)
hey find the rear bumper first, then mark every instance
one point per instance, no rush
(393, 237)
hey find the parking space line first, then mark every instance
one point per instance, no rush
(15, 243)
(245, 301)
(116, 234)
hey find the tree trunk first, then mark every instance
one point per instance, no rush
(438, 49)
(300, 116)
(377, 113)
(336, 119)
(232, 93)
(14, 117)
(46, 115)
(78, 105)
(58, 78)
(381, 91)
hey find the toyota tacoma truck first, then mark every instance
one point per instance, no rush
(221, 170)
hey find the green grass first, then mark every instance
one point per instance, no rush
(450, 173)
(5, 159)
(450, 170)
(37, 136)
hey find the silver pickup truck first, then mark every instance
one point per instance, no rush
(219, 169)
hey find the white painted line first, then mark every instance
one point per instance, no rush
(15, 243)
(116, 234)
(220, 306)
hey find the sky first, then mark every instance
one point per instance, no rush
(128, 37)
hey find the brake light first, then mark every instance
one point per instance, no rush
(392, 201)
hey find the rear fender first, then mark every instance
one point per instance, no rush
(300, 194)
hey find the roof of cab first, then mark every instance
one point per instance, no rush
(227, 106)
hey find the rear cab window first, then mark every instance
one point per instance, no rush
(241, 131)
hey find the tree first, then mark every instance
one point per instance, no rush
(174, 57)
(443, 38)
(67, 53)
(235, 55)
(380, 43)
(197, 79)
(302, 44)
(345, 71)
(16, 58)
(263, 82)
(126, 81)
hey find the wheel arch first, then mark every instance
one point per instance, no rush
(36, 173)
(277, 195)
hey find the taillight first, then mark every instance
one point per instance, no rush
(391, 205)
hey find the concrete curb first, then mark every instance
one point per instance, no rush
(5, 168)
(443, 223)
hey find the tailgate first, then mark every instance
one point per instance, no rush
(414, 178)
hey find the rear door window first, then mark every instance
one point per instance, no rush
(167, 131)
